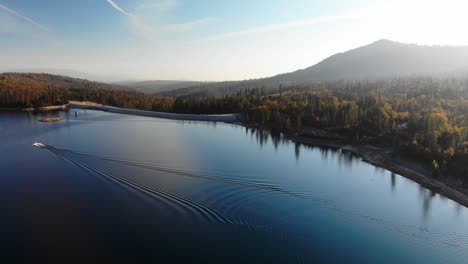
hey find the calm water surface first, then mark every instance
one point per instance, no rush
(118, 187)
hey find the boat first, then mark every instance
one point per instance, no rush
(39, 145)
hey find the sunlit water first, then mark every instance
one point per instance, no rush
(119, 187)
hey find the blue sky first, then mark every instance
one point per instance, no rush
(210, 40)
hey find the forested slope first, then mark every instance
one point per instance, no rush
(37, 90)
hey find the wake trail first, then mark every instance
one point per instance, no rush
(200, 211)
(456, 244)
(217, 177)
(194, 208)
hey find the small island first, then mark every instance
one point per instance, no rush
(51, 119)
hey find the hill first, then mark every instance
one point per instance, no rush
(379, 60)
(38, 90)
(157, 86)
(383, 59)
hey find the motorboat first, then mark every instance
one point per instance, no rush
(39, 145)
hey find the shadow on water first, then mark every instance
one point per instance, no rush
(393, 180)
(276, 137)
(346, 159)
(297, 150)
(427, 196)
(263, 136)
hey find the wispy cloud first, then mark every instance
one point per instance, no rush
(136, 23)
(289, 25)
(118, 8)
(158, 6)
(158, 10)
(184, 27)
(25, 18)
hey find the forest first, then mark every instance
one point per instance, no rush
(24, 90)
(419, 117)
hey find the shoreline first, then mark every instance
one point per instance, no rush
(376, 156)
(381, 157)
(228, 118)
(32, 109)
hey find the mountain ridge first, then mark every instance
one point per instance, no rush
(391, 59)
(380, 59)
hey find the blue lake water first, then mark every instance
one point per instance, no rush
(116, 187)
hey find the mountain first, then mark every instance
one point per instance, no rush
(157, 86)
(381, 59)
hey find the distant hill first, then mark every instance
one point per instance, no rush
(71, 73)
(54, 71)
(381, 59)
(157, 86)
(45, 80)
(40, 89)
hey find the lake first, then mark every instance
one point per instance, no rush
(114, 187)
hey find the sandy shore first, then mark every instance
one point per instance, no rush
(51, 119)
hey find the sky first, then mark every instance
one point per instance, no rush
(208, 40)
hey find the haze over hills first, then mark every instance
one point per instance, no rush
(381, 59)
(148, 87)
(157, 86)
